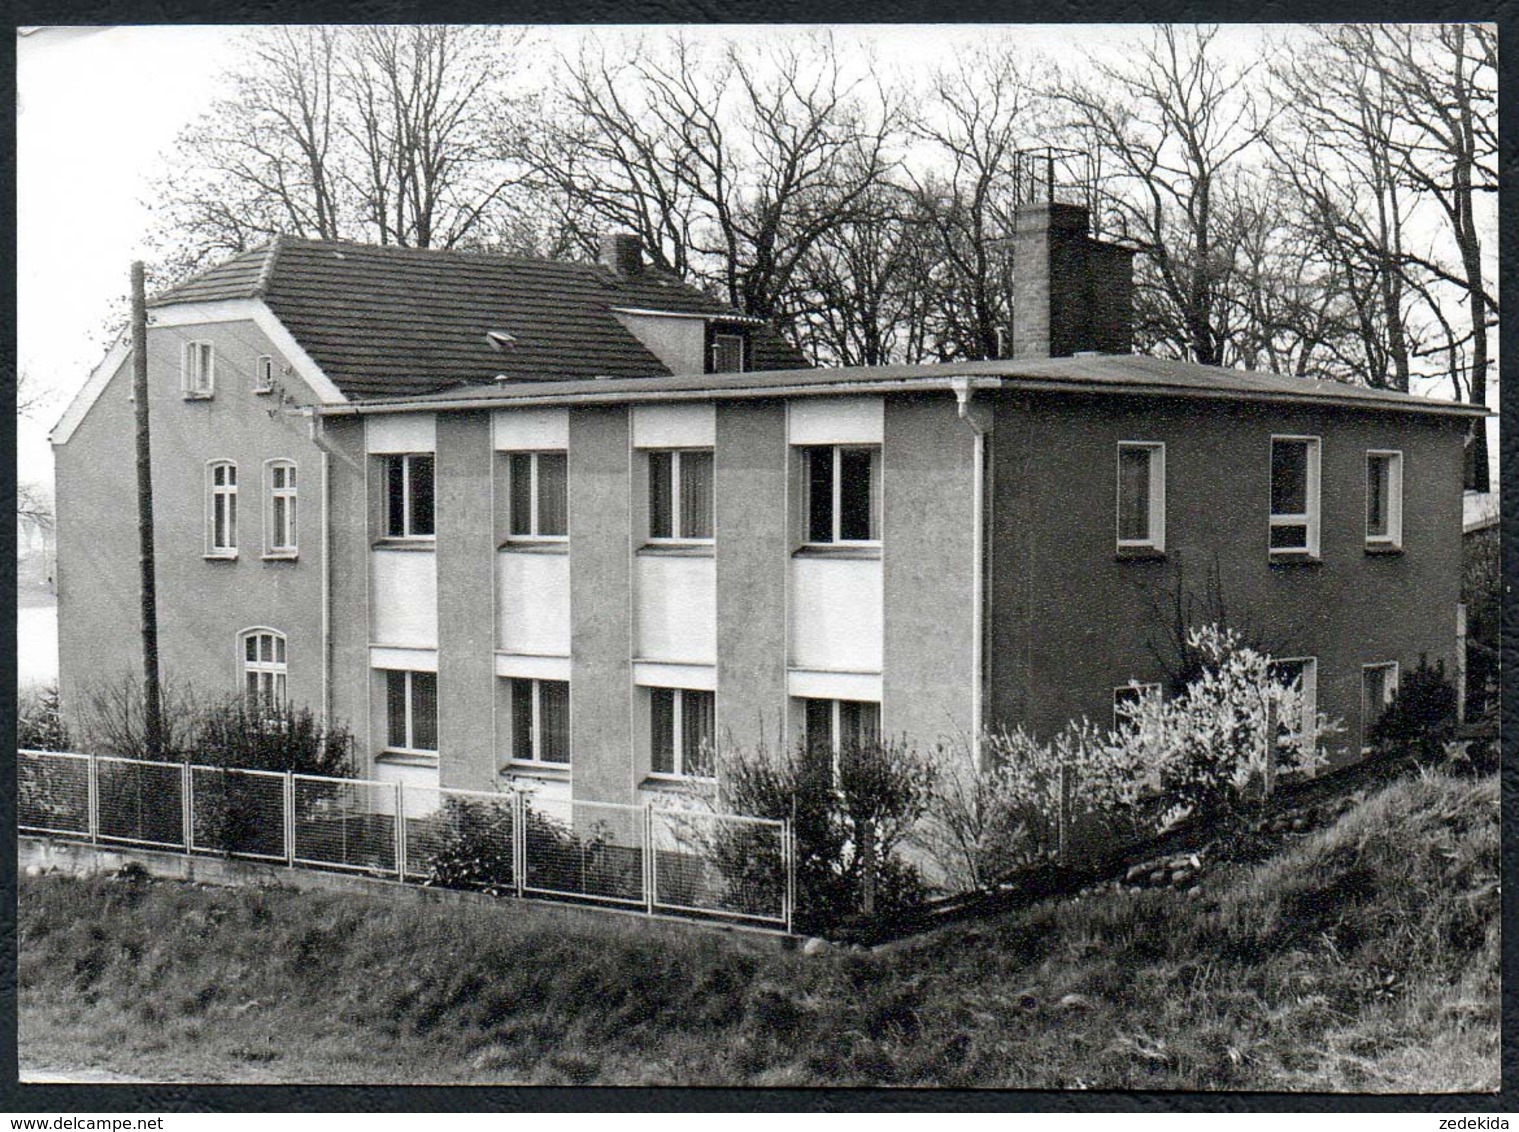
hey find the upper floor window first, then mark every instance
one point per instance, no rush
(263, 374)
(279, 519)
(411, 711)
(541, 721)
(680, 494)
(843, 493)
(1295, 495)
(727, 353)
(682, 732)
(1141, 496)
(1384, 500)
(221, 508)
(264, 669)
(409, 496)
(539, 495)
(197, 369)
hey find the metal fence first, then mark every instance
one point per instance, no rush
(648, 858)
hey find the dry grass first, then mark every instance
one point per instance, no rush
(1364, 957)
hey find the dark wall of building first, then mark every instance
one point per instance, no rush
(203, 603)
(1070, 621)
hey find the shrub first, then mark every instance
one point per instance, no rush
(39, 721)
(475, 848)
(114, 719)
(1422, 716)
(849, 818)
(234, 732)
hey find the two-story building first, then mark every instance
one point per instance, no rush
(580, 524)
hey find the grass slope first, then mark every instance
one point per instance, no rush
(1361, 957)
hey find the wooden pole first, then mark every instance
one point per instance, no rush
(152, 703)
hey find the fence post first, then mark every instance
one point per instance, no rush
(519, 841)
(1461, 663)
(1268, 764)
(1063, 817)
(92, 798)
(651, 863)
(289, 808)
(400, 789)
(186, 805)
(788, 858)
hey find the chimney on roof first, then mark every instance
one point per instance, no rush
(1071, 294)
(622, 252)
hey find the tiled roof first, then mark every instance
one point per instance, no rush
(388, 321)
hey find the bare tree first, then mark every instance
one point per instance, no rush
(1172, 123)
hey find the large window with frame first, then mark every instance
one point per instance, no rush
(1303, 673)
(279, 516)
(540, 721)
(411, 711)
(1141, 496)
(831, 727)
(264, 667)
(680, 495)
(539, 495)
(197, 372)
(409, 495)
(1294, 496)
(221, 509)
(843, 493)
(1384, 500)
(682, 732)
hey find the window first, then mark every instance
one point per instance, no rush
(541, 721)
(221, 509)
(843, 494)
(263, 374)
(1379, 684)
(409, 496)
(197, 370)
(682, 732)
(1384, 500)
(1141, 496)
(264, 668)
(279, 519)
(411, 709)
(727, 353)
(1295, 495)
(1304, 672)
(539, 495)
(680, 494)
(834, 726)
(1127, 698)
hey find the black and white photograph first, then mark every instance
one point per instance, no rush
(854, 556)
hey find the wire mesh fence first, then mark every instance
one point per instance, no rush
(589, 850)
(140, 802)
(345, 823)
(686, 862)
(238, 812)
(53, 793)
(718, 863)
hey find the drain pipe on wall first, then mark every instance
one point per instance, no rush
(981, 418)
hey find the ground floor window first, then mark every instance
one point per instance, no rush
(834, 726)
(1379, 684)
(1302, 671)
(682, 732)
(411, 702)
(264, 668)
(1127, 698)
(540, 721)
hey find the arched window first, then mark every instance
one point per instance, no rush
(264, 670)
(279, 519)
(221, 509)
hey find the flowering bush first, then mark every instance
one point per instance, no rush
(1206, 748)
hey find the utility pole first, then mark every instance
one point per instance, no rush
(152, 705)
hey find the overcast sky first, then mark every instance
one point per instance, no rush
(98, 107)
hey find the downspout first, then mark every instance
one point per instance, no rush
(326, 591)
(979, 415)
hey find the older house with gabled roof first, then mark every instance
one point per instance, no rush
(576, 524)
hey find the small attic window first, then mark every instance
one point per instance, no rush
(500, 340)
(727, 349)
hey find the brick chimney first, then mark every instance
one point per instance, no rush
(1071, 294)
(622, 252)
